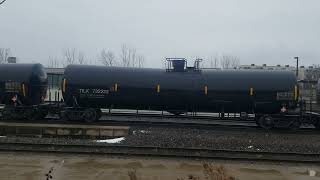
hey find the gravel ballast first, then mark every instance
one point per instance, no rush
(198, 138)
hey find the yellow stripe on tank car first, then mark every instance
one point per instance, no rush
(206, 90)
(23, 89)
(158, 88)
(64, 85)
(115, 87)
(296, 92)
(251, 91)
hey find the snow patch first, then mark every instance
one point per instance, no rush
(115, 140)
(312, 173)
(144, 132)
(141, 131)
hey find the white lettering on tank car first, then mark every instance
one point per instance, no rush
(93, 91)
(84, 91)
(100, 91)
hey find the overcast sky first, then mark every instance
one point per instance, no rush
(257, 31)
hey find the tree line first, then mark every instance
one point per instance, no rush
(127, 57)
(4, 54)
(224, 62)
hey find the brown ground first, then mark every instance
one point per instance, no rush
(30, 166)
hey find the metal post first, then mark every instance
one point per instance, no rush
(297, 70)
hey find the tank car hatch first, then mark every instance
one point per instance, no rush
(180, 65)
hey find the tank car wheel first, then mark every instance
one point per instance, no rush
(99, 114)
(89, 115)
(317, 124)
(266, 122)
(64, 116)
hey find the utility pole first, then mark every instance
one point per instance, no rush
(297, 70)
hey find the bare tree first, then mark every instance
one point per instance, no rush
(214, 61)
(313, 74)
(107, 58)
(235, 62)
(128, 56)
(1, 2)
(53, 62)
(140, 61)
(69, 56)
(4, 54)
(81, 58)
(132, 57)
(228, 62)
(124, 55)
(103, 57)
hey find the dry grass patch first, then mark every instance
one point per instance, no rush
(212, 172)
(132, 174)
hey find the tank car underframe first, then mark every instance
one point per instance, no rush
(35, 112)
(80, 114)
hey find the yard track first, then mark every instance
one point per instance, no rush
(162, 152)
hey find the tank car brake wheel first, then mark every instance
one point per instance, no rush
(89, 115)
(266, 122)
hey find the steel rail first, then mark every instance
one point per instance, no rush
(162, 152)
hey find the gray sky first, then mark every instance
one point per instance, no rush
(257, 31)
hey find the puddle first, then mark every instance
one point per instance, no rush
(307, 173)
(133, 165)
(92, 164)
(156, 166)
(31, 175)
(19, 165)
(260, 171)
(190, 167)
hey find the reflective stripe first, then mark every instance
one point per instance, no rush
(115, 87)
(296, 92)
(251, 91)
(158, 88)
(206, 90)
(23, 89)
(64, 85)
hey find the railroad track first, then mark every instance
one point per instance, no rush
(155, 118)
(146, 118)
(149, 120)
(162, 152)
